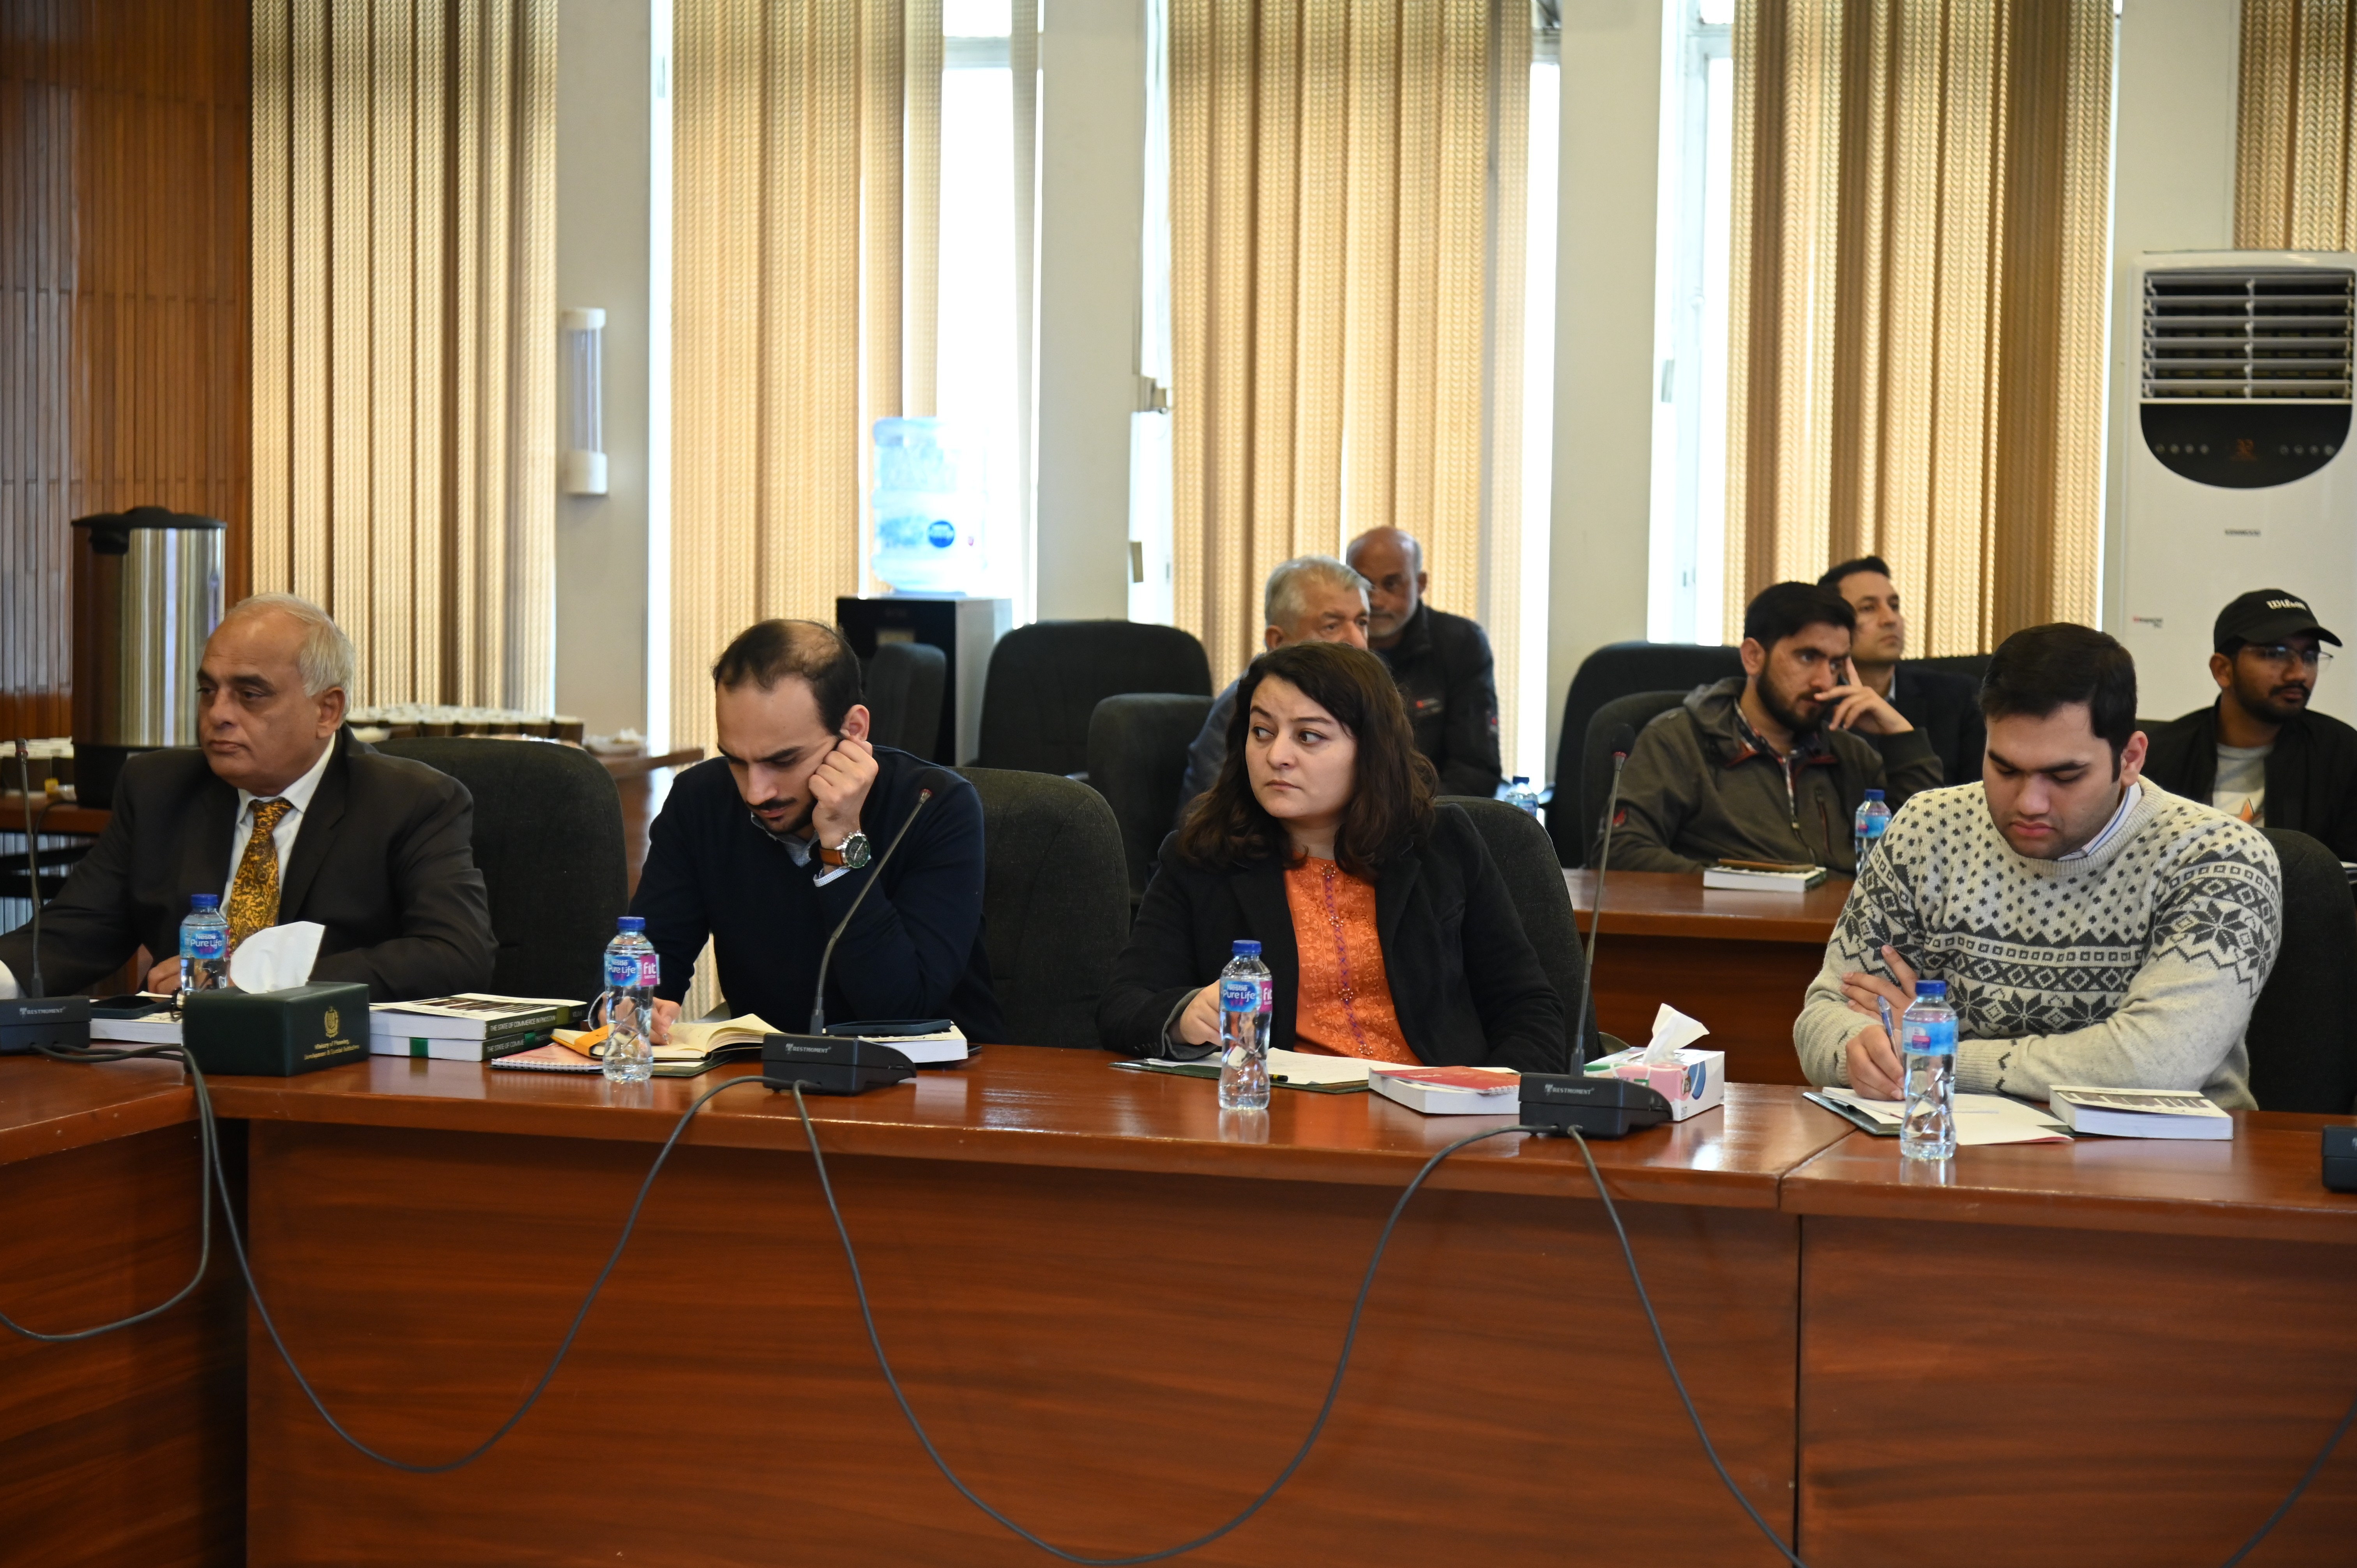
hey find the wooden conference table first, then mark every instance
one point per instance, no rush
(1738, 961)
(1117, 1311)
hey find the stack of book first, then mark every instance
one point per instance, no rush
(468, 1028)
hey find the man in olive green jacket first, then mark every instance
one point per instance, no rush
(1772, 765)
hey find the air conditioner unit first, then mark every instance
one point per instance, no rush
(2237, 474)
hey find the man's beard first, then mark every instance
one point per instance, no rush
(796, 825)
(2268, 705)
(1773, 702)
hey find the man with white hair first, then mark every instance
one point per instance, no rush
(1308, 599)
(286, 816)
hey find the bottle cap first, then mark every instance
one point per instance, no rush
(1521, 778)
(1874, 794)
(1245, 947)
(1936, 989)
(630, 923)
(204, 901)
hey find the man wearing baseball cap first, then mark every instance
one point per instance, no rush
(2258, 752)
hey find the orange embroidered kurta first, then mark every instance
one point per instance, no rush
(1344, 1006)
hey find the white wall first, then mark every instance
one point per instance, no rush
(2173, 188)
(1604, 334)
(604, 70)
(1092, 194)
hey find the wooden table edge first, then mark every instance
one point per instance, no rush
(167, 1107)
(1795, 931)
(1803, 1195)
(256, 1099)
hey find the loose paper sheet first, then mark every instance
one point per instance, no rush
(1981, 1119)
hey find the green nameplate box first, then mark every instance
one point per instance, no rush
(277, 1034)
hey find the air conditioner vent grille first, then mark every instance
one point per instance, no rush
(2255, 337)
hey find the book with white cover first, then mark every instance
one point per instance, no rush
(1752, 879)
(470, 1015)
(1450, 1091)
(2139, 1113)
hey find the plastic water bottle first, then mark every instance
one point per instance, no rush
(204, 945)
(1873, 817)
(1247, 995)
(1928, 1061)
(632, 969)
(927, 506)
(1522, 797)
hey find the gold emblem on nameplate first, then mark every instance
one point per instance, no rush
(333, 1023)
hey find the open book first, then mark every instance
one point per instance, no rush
(699, 1045)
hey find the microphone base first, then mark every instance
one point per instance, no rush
(1596, 1107)
(29, 1023)
(827, 1064)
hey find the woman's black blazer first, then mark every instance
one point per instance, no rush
(1468, 987)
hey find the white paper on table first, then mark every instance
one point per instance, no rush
(1981, 1119)
(1308, 1066)
(276, 958)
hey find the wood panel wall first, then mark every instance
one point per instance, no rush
(125, 299)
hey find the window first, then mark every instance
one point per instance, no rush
(1689, 563)
(1527, 706)
(980, 384)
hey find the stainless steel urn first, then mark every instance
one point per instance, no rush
(146, 594)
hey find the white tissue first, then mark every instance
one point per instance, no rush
(1672, 1032)
(276, 958)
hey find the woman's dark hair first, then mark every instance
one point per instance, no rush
(2043, 668)
(1391, 785)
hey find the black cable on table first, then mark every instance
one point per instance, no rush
(1333, 1389)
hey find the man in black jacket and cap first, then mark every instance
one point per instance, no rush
(1945, 706)
(2258, 752)
(1440, 662)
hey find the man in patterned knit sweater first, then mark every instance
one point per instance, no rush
(2091, 928)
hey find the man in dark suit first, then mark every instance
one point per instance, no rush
(376, 849)
(2258, 752)
(765, 849)
(1945, 706)
(1441, 662)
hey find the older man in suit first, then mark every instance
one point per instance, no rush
(288, 817)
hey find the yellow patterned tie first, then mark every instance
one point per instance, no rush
(253, 896)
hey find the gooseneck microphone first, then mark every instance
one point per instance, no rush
(1624, 740)
(930, 783)
(32, 859)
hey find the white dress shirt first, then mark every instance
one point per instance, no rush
(281, 837)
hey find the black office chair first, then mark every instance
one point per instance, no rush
(2303, 1032)
(1619, 670)
(1047, 679)
(1520, 847)
(904, 683)
(1637, 710)
(1137, 761)
(1055, 903)
(548, 839)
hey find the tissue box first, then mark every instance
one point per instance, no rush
(1705, 1073)
(277, 1034)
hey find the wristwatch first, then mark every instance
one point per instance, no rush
(851, 853)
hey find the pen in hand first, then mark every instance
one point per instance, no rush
(1889, 1030)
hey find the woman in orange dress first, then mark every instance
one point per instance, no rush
(1386, 926)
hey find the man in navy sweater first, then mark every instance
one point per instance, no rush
(764, 848)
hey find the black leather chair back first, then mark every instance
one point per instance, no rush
(1619, 670)
(904, 683)
(2303, 1033)
(1637, 710)
(548, 839)
(1520, 846)
(1137, 761)
(1055, 903)
(1047, 679)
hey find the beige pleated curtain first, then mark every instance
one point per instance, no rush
(806, 181)
(1346, 196)
(405, 336)
(2296, 164)
(1917, 303)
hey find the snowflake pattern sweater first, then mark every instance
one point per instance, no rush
(2132, 968)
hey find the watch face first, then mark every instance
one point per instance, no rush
(855, 851)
